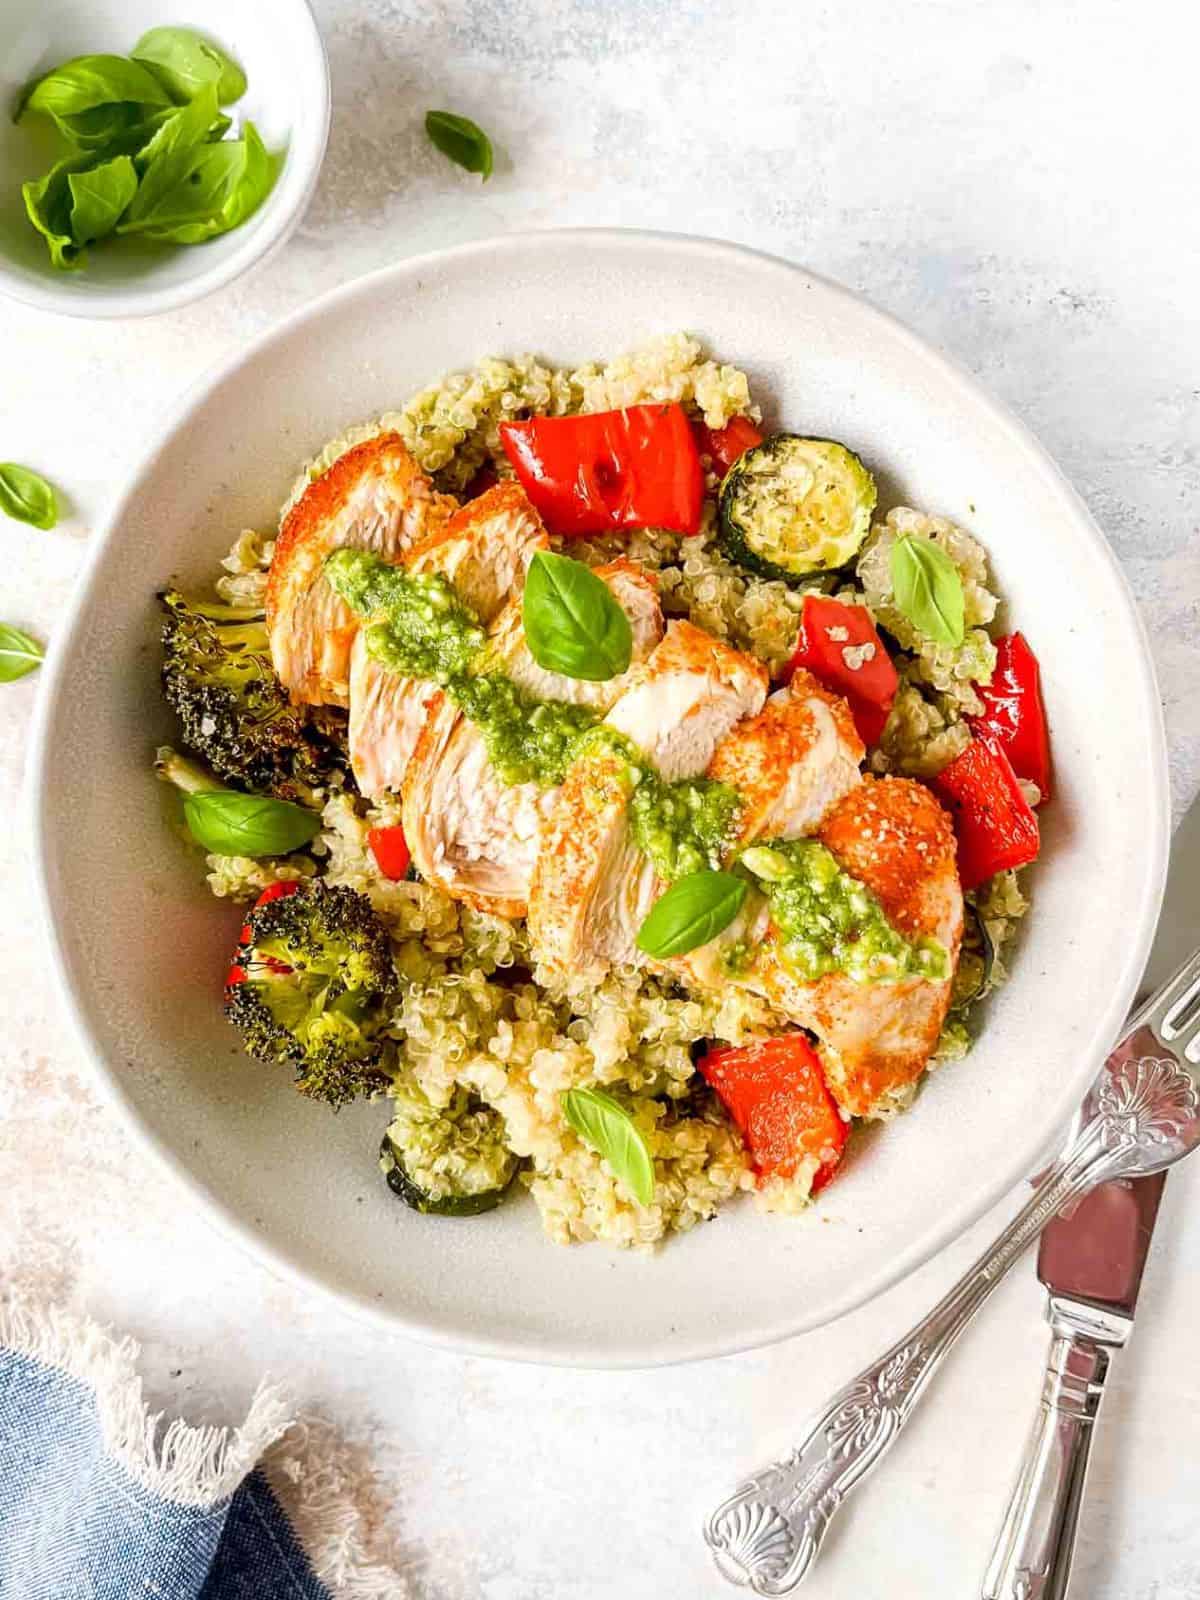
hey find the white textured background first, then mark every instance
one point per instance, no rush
(1018, 181)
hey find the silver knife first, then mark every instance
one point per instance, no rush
(1091, 1263)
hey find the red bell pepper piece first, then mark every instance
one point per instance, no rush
(1013, 712)
(830, 628)
(724, 445)
(993, 822)
(637, 468)
(775, 1091)
(273, 891)
(391, 852)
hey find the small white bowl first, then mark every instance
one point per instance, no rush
(279, 48)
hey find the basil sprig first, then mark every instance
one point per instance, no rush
(573, 625)
(604, 1124)
(928, 588)
(19, 653)
(462, 140)
(26, 497)
(230, 823)
(184, 61)
(694, 910)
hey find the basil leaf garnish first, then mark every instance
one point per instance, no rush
(603, 1124)
(185, 179)
(230, 823)
(462, 140)
(573, 625)
(87, 82)
(928, 588)
(26, 497)
(19, 653)
(48, 207)
(694, 910)
(184, 61)
(99, 195)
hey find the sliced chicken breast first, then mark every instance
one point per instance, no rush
(892, 835)
(374, 497)
(472, 834)
(592, 887)
(484, 549)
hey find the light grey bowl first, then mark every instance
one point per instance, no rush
(280, 50)
(141, 946)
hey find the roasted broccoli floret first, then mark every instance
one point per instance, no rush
(310, 988)
(218, 679)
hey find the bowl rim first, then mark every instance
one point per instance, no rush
(1138, 926)
(259, 245)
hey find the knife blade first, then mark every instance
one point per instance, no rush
(1091, 1262)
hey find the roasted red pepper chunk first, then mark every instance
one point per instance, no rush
(273, 891)
(637, 468)
(724, 445)
(993, 822)
(838, 644)
(391, 852)
(775, 1091)
(1013, 712)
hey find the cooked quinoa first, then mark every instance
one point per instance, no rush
(477, 1031)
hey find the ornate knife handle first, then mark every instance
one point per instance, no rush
(1032, 1558)
(1140, 1116)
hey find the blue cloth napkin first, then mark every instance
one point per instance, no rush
(99, 1502)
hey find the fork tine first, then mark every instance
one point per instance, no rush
(1172, 998)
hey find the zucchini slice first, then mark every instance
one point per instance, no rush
(447, 1162)
(792, 506)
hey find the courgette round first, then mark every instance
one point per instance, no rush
(391, 1162)
(792, 506)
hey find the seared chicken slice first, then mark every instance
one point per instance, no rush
(473, 835)
(791, 762)
(592, 887)
(374, 497)
(484, 549)
(892, 835)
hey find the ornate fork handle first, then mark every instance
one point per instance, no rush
(767, 1534)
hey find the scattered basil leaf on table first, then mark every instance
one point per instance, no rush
(99, 195)
(462, 140)
(26, 497)
(86, 82)
(230, 823)
(604, 1124)
(19, 653)
(184, 61)
(928, 588)
(695, 909)
(573, 625)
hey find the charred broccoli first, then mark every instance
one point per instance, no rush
(218, 679)
(310, 988)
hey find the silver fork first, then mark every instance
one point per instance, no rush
(1140, 1116)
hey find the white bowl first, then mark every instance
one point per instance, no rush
(141, 945)
(280, 50)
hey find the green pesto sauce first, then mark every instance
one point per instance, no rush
(527, 740)
(686, 826)
(425, 631)
(830, 922)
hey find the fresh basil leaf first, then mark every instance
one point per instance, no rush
(230, 823)
(111, 129)
(695, 909)
(573, 625)
(462, 140)
(48, 207)
(99, 195)
(185, 180)
(182, 129)
(604, 1124)
(928, 588)
(184, 61)
(19, 653)
(86, 82)
(26, 497)
(251, 178)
